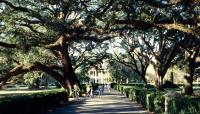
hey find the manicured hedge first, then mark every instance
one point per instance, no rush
(154, 100)
(31, 103)
(132, 94)
(169, 84)
(149, 98)
(113, 85)
(141, 95)
(83, 87)
(121, 88)
(184, 105)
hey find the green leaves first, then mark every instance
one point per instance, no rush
(53, 2)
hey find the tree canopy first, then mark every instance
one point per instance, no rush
(56, 36)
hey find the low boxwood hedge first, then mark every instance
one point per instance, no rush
(32, 103)
(184, 105)
(120, 88)
(169, 84)
(154, 100)
(141, 95)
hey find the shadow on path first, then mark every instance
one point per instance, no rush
(109, 103)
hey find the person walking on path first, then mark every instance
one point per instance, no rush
(88, 90)
(91, 91)
(100, 89)
(103, 88)
(76, 91)
(109, 87)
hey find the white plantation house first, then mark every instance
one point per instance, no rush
(99, 73)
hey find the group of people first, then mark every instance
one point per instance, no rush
(90, 91)
(100, 90)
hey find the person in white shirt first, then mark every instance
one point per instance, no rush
(109, 87)
(88, 90)
(76, 91)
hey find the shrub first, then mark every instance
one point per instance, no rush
(113, 85)
(126, 90)
(30, 103)
(155, 102)
(121, 89)
(141, 95)
(95, 86)
(184, 105)
(149, 86)
(139, 85)
(134, 92)
(130, 92)
(169, 84)
(131, 95)
(117, 87)
(83, 87)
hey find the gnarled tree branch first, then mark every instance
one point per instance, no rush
(142, 25)
(22, 69)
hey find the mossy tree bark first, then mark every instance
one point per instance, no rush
(192, 62)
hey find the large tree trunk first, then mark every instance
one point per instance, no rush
(61, 50)
(67, 67)
(143, 74)
(187, 89)
(192, 48)
(164, 61)
(188, 79)
(190, 59)
(69, 74)
(144, 80)
(159, 80)
(159, 83)
(172, 77)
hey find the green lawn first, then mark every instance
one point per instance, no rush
(25, 91)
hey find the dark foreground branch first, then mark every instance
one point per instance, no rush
(22, 69)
